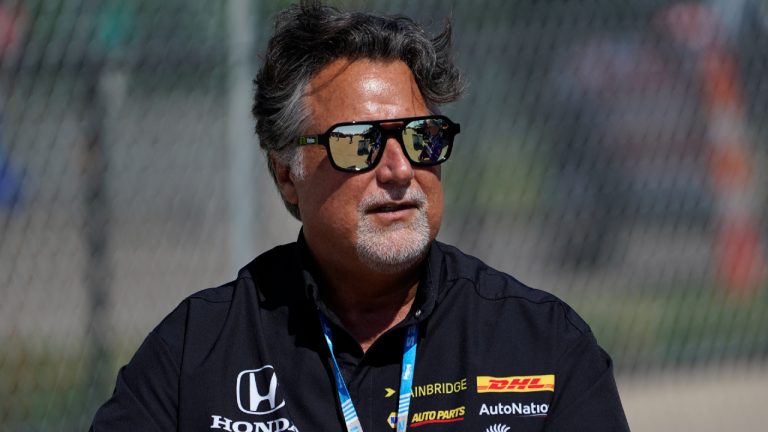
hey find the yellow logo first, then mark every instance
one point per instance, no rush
(392, 419)
(430, 389)
(438, 416)
(515, 384)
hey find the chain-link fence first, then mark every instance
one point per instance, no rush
(611, 152)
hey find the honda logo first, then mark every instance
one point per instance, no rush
(257, 391)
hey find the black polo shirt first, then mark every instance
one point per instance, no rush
(493, 355)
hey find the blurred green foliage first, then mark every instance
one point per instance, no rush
(676, 326)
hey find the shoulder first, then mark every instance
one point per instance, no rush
(270, 265)
(496, 289)
(196, 323)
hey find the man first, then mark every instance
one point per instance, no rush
(434, 147)
(366, 322)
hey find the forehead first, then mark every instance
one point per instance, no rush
(363, 89)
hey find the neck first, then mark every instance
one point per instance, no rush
(370, 303)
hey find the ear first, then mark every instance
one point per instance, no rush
(284, 180)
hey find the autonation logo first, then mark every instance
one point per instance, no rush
(520, 409)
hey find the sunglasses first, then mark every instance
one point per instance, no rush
(358, 146)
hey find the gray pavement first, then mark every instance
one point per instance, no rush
(731, 398)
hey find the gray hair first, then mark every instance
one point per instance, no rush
(309, 36)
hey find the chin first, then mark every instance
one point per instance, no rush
(394, 248)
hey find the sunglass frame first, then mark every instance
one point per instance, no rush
(324, 139)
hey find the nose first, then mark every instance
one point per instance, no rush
(394, 166)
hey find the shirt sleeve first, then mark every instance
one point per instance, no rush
(586, 398)
(146, 394)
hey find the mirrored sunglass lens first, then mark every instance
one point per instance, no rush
(427, 141)
(354, 147)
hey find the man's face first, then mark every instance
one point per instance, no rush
(383, 218)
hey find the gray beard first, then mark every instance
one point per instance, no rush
(395, 247)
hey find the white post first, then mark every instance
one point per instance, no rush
(241, 140)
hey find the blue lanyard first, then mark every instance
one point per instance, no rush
(406, 380)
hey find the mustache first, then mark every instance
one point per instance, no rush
(411, 196)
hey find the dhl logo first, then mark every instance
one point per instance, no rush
(515, 384)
